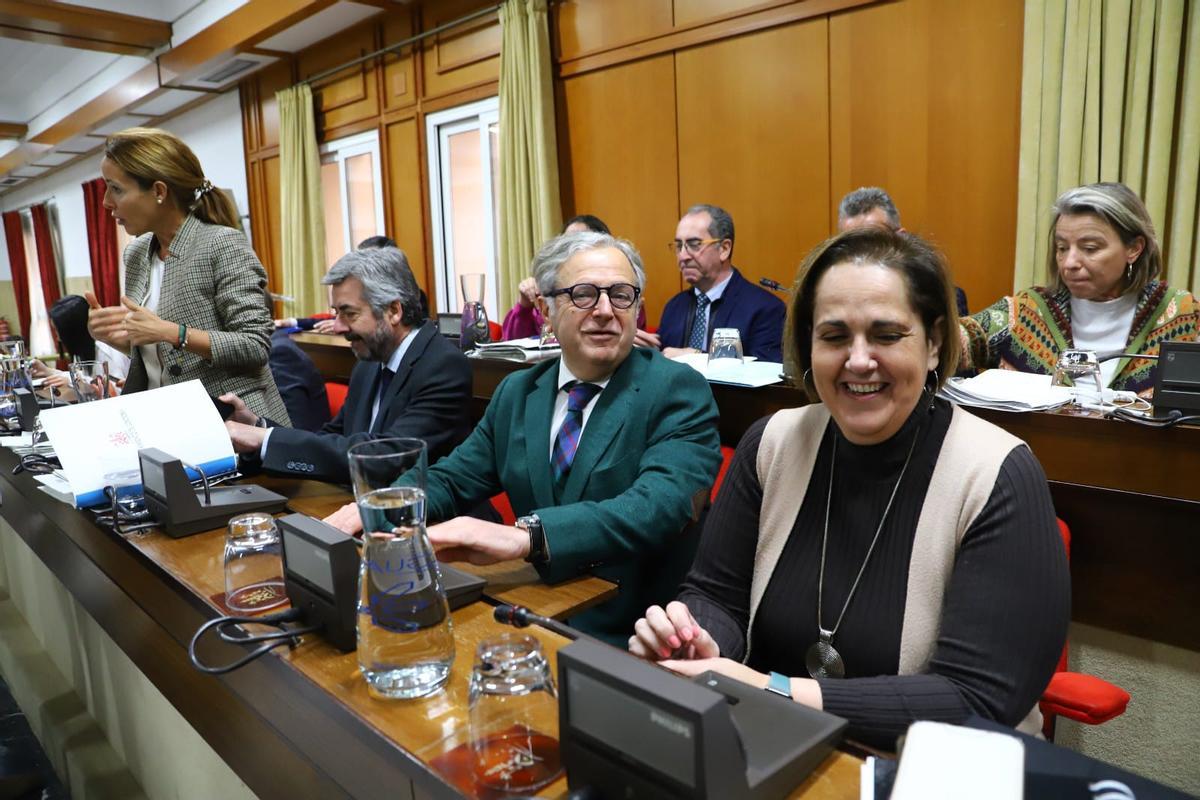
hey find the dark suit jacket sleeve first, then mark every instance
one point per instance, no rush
(674, 319)
(678, 463)
(468, 476)
(764, 332)
(434, 411)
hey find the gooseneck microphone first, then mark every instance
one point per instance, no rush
(521, 617)
(774, 286)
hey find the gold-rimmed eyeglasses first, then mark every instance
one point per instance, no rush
(693, 246)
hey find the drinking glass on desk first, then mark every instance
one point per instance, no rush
(90, 381)
(253, 564)
(513, 715)
(726, 348)
(1079, 370)
(405, 641)
(12, 348)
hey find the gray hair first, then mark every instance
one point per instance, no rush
(1116, 204)
(720, 225)
(866, 199)
(556, 252)
(385, 277)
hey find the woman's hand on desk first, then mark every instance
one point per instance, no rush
(671, 632)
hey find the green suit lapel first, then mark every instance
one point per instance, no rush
(539, 411)
(603, 426)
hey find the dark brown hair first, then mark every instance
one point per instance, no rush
(151, 154)
(925, 274)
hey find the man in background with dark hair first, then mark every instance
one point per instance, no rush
(410, 381)
(870, 205)
(719, 296)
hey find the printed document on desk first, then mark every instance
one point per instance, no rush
(520, 350)
(97, 440)
(1006, 390)
(749, 372)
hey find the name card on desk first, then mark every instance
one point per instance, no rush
(98, 441)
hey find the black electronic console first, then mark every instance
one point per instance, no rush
(182, 510)
(630, 730)
(1177, 382)
(27, 408)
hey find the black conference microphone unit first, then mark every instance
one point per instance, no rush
(632, 730)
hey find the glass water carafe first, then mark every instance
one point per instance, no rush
(474, 316)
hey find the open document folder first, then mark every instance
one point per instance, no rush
(529, 349)
(1007, 390)
(748, 372)
(98, 442)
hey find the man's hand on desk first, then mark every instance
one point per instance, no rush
(245, 438)
(478, 542)
(240, 412)
(325, 326)
(345, 519)
(676, 352)
(643, 338)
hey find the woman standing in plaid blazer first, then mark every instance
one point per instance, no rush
(196, 303)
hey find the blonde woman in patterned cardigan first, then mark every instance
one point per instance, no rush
(196, 304)
(1104, 295)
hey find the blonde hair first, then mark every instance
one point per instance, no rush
(1124, 211)
(150, 155)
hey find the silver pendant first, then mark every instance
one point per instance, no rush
(822, 660)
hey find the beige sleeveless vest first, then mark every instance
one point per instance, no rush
(963, 479)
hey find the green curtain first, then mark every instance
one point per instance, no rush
(1111, 92)
(302, 216)
(529, 203)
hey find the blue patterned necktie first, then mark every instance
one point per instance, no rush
(567, 441)
(698, 339)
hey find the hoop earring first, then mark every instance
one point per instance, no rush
(806, 377)
(932, 388)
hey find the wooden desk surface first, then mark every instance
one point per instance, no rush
(294, 725)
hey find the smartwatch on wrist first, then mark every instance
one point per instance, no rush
(780, 684)
(532, 524)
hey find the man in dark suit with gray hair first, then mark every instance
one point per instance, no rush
(410, 381)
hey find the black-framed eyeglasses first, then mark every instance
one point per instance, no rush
(693, 246)
(586, 295)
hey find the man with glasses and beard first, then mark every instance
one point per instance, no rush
(409, 380)
(606, 453)
(719, 296)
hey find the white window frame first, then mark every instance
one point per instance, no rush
(343, 149)
(438, 128)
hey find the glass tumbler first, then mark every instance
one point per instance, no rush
(90, 381)
(513, 715)
(253, 564)
(405, 639)
(725, 349)
(1079, 370)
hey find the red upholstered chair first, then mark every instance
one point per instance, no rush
(336, 394)
(726, 456)
(1083, 698)
(504, 508)
(495, 330)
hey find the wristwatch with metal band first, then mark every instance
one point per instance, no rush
(532, 524)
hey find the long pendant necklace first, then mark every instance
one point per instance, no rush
(821, 659)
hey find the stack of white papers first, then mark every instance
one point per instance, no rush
(517, 350)
(749, 372)
(946, 762)
(1006, 390)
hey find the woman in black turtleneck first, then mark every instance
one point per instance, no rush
(922, 538)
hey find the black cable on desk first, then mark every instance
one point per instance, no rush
(1173, 418)
(290, 637)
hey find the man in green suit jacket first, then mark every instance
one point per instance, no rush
(615, 505)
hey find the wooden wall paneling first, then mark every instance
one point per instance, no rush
(465, 56)
(399, 70)
(587, 26)
(753, 139)
(248, 102)
(271, 207)
(269, 81)
(925, 101)
(617, 154)
(402, 157)
(352, 95)
(260, 221)
(691, 12)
